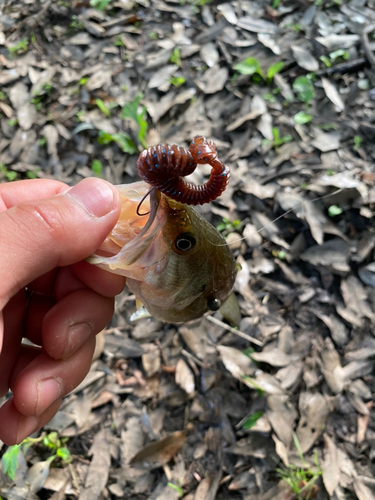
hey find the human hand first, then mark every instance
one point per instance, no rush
(49, 295)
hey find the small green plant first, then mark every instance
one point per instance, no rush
(334, 210)
(37, 101)
(177, 81)
(252, 420)
(176, 57)
(277, 139)
(137, 113)
(56, 445)
(3, 96)
(99, 4)
(296, 27)
(301, 480)
(103, 108)
(97, 167)
(38, 98)
(179, 490)
(9, 174)
(32, 174)
(251, 382)
(83, 80)
(276, 4)
(119, 42)
(330, 172)
(123, 140)
(304, 88)
(20, 47)
(80, 115)
(51, 441)
(12, 122)
(227, 226)
(75, 24)
(328, 126)
(10, 461)
(251, 66)
(332, 56)
(357, 142)
(268, 96)
(153, 35)
(274, 70)
(301, 117)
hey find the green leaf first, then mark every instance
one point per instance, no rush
(274, 69)
(134, 112)
(339, 53)
(99, 4)
(125, 142)
(32, 174)
(177, 81)
(83, 80)
(104, 138)
(302, 118)
(357, 142)
(102, 107)
(249, 66)
(252, 420)
(177, 488)
(130, 109)
(298, 447)
(11, 175)
(176, 57)
(334, 210)
(63, 453)
(97, 167)
(304, 88)
(326, 61)
(10, 461)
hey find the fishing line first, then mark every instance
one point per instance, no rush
(300, 204)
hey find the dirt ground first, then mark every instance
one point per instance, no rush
(269, 401)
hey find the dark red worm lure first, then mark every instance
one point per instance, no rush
(164, 166)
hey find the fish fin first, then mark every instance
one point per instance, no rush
(140, 314)
(230, 310)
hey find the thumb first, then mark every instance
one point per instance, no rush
(39, 235)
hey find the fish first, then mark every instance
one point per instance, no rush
(175, 262)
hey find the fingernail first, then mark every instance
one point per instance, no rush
(77, 335)
(48, 391)
(95, 195)
(26, 426)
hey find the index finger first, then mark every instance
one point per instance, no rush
(14, 193)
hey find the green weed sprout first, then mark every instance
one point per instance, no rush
(301, 480)
(51, 441)
(137, 113)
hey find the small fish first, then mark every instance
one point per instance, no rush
(175, 262)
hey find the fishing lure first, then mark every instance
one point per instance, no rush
(175, 262)
(164, 166)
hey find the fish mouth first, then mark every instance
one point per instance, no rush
(119, 262)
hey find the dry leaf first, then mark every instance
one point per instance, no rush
(160, 452)
(331, 469)
(184, 377)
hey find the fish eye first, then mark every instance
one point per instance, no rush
(184, 242)
(213, 304)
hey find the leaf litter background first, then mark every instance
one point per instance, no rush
(205, 410)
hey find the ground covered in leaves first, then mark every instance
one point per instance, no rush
(280, 406)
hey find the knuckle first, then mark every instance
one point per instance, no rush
(40, 219)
